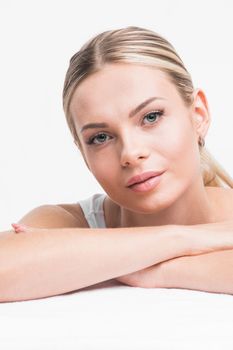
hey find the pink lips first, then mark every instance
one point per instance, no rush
(143, 177)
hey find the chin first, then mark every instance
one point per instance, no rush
(154, 202)
(148, 204)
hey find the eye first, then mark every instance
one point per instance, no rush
(98, 139)
(153, 116)
(101, 138)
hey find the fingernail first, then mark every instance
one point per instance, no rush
(15, 228)
(19, 227)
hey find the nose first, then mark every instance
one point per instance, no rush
(133, 153)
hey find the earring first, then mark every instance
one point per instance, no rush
(201, 141)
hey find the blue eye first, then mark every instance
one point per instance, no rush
(99, 137)
(153, 116)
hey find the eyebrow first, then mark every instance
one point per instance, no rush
(131, 114)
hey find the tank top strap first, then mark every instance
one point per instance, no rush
(93, 210)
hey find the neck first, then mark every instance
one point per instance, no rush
(191, 208)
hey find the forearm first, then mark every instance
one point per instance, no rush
(192, 271)
(46, 262)
(211, 272)
(54, 261)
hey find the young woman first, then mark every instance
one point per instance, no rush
(140, 125)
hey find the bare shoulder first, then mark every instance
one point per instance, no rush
(76, 211)
(55, 216)
(226, 194)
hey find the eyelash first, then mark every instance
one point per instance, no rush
(159, 114)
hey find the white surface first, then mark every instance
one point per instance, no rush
(39, 161)
(110, 315)
(40, 164)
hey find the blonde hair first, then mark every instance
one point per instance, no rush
(139, 46)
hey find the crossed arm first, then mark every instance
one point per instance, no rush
(210, 272)
(198, 258)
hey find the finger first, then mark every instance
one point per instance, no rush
(19, 227)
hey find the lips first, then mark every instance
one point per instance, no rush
(142, 177)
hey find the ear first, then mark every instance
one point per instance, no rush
(200, 113)
(78, 144)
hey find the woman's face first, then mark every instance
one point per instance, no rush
(162, 135)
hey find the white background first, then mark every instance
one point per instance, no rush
(39, 161)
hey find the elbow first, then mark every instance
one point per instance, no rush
(9, 289)
(7, 293)
(4, 294)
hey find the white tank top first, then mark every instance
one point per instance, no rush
(93, 210)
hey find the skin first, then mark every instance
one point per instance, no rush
(134, 145)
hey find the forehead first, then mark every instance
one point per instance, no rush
(119, 86)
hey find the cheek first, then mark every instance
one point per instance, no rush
(103, 169)
(183, 152)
